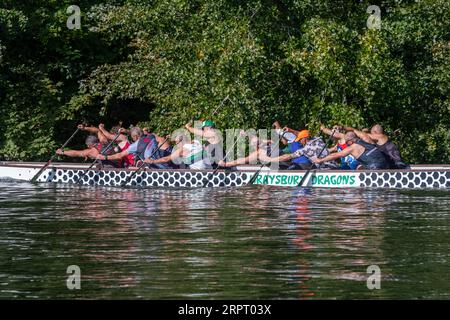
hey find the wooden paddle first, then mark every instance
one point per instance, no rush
(300, 184)
(102, 153)
(37, 175)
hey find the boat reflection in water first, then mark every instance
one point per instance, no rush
(256, 242)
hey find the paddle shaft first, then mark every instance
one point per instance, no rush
(220, 105)
(37, 175)
(144, 163)
(253, 178)
(102, 153)
(300, 184)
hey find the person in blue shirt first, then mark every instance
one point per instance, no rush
(289, 139)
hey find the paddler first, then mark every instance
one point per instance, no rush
(289, 139)
(185, 154)
(261, 153)
(93, 151)
(367, 154)
(143, 146)
(212, 140)
(348, 162)
(312, 147)
(385, 145)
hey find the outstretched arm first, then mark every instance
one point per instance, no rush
(360, 134)
(334, 156)
(364, 136)
(200, 132)
(284, 157)
(95, 131)
(251, 157)
(116, 156)
(87, 153)
(336, 134)
(175, 154)
(109, 135)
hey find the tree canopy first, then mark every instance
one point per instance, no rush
(162, 62)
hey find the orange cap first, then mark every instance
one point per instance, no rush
(302, 134)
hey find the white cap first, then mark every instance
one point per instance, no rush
(289, 136)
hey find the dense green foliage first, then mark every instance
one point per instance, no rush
(165, 61)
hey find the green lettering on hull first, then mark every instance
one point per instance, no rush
(316, 180)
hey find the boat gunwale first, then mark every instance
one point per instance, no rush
(67, 166)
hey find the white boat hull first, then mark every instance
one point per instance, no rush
(433, 177)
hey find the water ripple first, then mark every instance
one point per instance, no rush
(250, 242)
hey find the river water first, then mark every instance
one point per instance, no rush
(253, 242)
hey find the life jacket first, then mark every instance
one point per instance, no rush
(101, 149)
(196, 158)
(128, 161)
(195, 152)
(348, 162)
(372, 157)
(153, 149)
(143, 143)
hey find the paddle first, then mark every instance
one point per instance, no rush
(300, 184)
(143, 163)
(102, 153)
(224, 158)
(37, 175)
(253, 178)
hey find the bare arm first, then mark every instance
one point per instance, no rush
(251, 157)
(95, 131)
(200, 132)
(111, 136)
(92, 130)
(336, 135)
(364, 136)
(335, 156)
(116, 156)
(348, 128)
(284, 157)
(175, 154)
(87, 153)
(196, 131)
(360, 134)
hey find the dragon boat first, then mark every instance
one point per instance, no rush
(418, 177)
